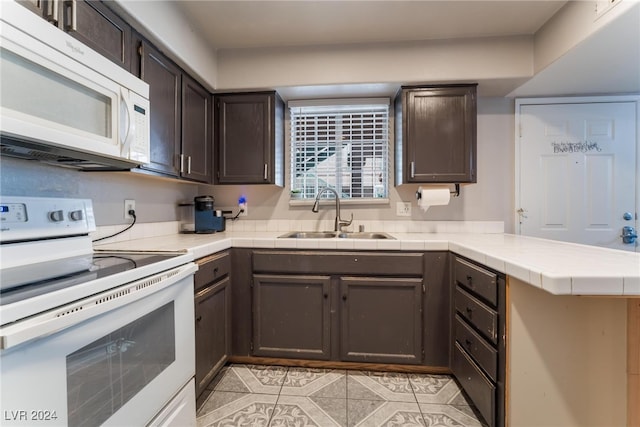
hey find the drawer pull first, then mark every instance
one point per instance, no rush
(215, 270)
(469, 311)
(468, 342)
(470, 281)
(326, 295)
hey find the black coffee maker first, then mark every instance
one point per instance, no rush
(207, 219)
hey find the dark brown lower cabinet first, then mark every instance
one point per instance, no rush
(381, 320)
(478, 337)
(352, 306)
(212, 318)
(291, 316)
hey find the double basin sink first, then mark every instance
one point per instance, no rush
(335, 234)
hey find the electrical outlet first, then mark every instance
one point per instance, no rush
(242, 205)
(129, 205)
(403, 209)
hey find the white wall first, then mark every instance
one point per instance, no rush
(490, 199)
(573, 24)
(493, 62)
(171, 31)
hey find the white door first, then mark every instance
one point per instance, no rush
(577, 171)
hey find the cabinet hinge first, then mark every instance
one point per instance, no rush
(251, 346)
(424, 289)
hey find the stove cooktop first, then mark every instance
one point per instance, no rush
(100, 265)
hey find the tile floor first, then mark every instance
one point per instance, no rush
(253, 395)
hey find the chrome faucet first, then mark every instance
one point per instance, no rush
(339, 223)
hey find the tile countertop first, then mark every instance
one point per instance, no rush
(559, 268)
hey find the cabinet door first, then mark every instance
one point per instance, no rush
(91, 22)
(291, 316)
(197, 145)
(213, 331)
(381, 320)
(165, 87)
(245, 135)
(99, 28)
(439, 134)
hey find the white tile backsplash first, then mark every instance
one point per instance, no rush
(152, 229)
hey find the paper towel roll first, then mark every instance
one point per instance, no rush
(436, 195)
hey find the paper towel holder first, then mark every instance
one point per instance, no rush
(454, 193)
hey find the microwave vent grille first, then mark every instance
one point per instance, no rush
(31, 150)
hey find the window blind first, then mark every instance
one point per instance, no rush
(345, 147)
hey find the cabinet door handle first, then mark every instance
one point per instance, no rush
(48, 11)
(199, 318)
(326, 295)
(469, 311)
(181, 163)
(55, 12)
(344, 297)
(189, 165)
(470, 281)
(468, 342)
(266, 172)
(215, 270)
(413, 169)
(141, 53)
(74, 15)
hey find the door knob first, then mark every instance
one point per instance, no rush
(629, 234)
(627, 216)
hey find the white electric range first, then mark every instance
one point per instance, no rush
(90, 337)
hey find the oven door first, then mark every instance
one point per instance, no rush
(123, 358)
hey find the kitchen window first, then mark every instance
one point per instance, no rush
(341, 144)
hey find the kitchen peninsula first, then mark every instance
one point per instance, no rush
(571, 314)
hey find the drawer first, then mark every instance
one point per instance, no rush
(212, 268)
(477, 347)
(481, 391)
(482, 317)
(477, 280)
(348, 263)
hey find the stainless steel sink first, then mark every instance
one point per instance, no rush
(308, 235)
(332, 234)
(365, 235)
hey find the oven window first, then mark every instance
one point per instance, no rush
(106, 374)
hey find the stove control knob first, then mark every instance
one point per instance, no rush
(56, 216)
(76, 215)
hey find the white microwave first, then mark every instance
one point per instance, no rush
(64, 103)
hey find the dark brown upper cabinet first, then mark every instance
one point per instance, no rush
(197, 147)
(436, 134)
(165, 95)
(91, 22)
(181, 123)
(249, 138)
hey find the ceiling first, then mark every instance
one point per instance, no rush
(601, 64)
(255, 24)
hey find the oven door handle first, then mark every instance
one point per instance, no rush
(63, 317)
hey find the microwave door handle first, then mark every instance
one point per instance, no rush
(131, 124)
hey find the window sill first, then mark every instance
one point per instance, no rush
(343, 202)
